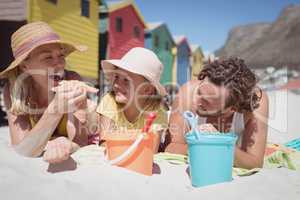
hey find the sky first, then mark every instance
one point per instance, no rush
(208, 22)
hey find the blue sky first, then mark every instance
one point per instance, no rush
(207, 22)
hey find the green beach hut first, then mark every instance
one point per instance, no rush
(159, 39)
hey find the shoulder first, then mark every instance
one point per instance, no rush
(162, 115)
(107, 106)
(264, 99)
(108, 97)
(71, 75)
(262, 112)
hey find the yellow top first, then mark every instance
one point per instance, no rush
(61, 129)
(110, 109)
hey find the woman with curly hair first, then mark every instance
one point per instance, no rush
(226, 99)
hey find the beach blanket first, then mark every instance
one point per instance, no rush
(276, 156)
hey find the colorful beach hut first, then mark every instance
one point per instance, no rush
(182, 68)
(125, 28)
(159, 39)
(75, 21)
(197, 59)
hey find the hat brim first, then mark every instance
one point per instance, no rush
(108, 66)
(69, 48)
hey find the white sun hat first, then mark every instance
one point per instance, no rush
(140, 61)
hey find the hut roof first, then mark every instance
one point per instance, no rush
(119, 4)
(154, 25)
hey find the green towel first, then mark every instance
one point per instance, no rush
(177, 159)
(279, 158)
(244, 172)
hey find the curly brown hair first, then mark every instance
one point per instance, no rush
(238, 78)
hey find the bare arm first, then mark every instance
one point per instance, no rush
(80, 121)
(251, 153)
(30, 141)
(177, 125)
(26, 140)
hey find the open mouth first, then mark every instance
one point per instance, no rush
(119, 92)
(57, 77)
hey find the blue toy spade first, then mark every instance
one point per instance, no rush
(192, 120)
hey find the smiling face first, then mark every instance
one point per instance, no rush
(45, 64)
(210, 99)
(129, 87)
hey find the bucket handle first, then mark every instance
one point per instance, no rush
(128, 151)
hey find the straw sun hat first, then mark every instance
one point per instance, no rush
(31, 36)
(140, 61)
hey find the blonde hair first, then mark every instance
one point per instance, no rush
(19, 89)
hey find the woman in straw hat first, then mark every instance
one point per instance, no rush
(136, 91)
(44, 111)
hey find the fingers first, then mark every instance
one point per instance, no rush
(78, 100)
(69, 95)
(70, 101)
(62, 88)
(65, 86)
(207, 128)
(57, 151)
(71, 129)
(72, 95)
(91, 89)
(50, 155)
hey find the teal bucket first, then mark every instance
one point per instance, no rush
(210, 158)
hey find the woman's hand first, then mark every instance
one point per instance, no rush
(74, 85)
(58, 150)
(71, 96)
(208, 128)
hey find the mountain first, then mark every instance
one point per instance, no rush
(267, 44)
